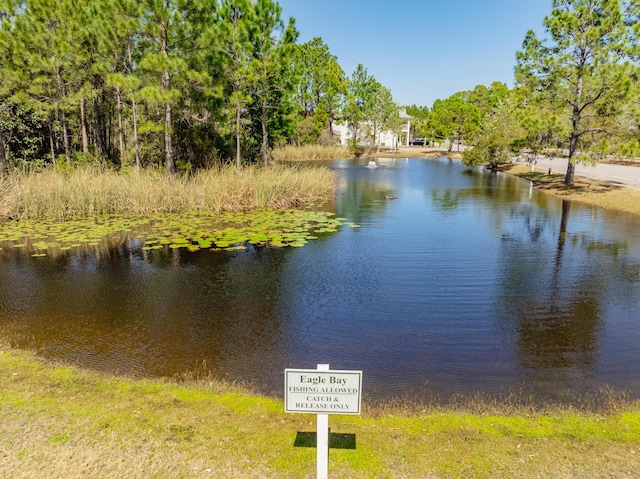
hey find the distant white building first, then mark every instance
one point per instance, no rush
(344, 132)
(384, 139)
(406, 129)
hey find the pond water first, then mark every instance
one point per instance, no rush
(458, 281)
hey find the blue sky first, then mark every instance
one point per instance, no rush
(422, 50)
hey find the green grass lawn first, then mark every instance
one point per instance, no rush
(62, 422)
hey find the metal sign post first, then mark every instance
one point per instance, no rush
(322, 391)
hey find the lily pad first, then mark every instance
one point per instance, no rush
(204, 230)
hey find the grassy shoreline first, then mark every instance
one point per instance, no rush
(90, 192)
(63, 422)
(584, 190)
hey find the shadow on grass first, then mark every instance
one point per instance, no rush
(544, 181)
(336, 440)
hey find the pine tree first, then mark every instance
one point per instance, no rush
(238, 22)
(171, 30)
(320, 83)
(382, 113)
(580, 65)
(454, 118)
(272, 50)
(360, 91)
(46, 57)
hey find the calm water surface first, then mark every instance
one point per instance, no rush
(467, 281)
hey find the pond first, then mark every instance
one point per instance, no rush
(457, 281)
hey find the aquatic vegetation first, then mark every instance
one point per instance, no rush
(86, 192)
(311, 152)
(47, 213)
(214, 231)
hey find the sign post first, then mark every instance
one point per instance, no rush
(322, 439)
(322, 391)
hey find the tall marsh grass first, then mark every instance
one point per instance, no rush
(89, 192)
(311, 152)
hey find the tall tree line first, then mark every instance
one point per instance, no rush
(577, 90)
(177, 83)
(172, 84)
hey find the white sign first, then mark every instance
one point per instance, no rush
(322, 392)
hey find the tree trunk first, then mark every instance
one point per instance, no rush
(166, 84)
(52, 145)
(109, 132)
(120, 124)
(266, 154)
(573, 146)
(571, 171)
(83, 121)
(136, 144)
(65, 136)
(100, 135)
(134, 112)
(168, 149)
(63, 117)
(575, 133)
(238, 156)
(4, 166)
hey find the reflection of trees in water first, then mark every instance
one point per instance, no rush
(562, 330)
(491, 194)
(154, 313)
(447, 200)
(350, 201)
(546, 303)
(552, 303)
(364, 186)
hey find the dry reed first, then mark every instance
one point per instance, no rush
(311, 152)
(90, 192)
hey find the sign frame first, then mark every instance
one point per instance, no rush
(317, 391)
